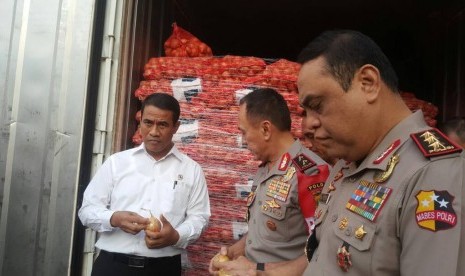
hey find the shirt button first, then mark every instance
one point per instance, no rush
(334, 218)
(249, 241)
(348, 231)
(352, 179)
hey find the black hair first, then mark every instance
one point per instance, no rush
(346, 51)
(267, 104)
(163, 101)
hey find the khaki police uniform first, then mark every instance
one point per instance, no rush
(277, 228)
(400, 212)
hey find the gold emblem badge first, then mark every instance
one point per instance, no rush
(272, 203)
(360, 232)
(288, 176)
(384, 175)
(343, 223)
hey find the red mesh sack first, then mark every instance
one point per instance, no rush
(181, 43)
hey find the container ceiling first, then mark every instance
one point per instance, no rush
(410, 32)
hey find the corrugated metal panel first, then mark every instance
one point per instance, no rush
(44, 57)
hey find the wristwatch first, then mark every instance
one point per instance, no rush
(260, 267)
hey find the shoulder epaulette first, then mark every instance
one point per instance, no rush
(303, 162)
(433, 142)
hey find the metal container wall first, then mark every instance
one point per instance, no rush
(44, 59)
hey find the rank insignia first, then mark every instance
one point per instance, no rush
(278, 190)
(289, 174)
(385, 153)
(434, 210)
(432, 142)
(384, 175)
(343, 257)
(284, 161)
(368, 199)
(303, 162)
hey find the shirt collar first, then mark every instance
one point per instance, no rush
(174, 151)
(292, 151)
(395, 138)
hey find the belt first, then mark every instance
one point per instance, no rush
(136, 261)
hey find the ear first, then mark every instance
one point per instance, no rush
(265, 129)
(369, 80)
(176, 126)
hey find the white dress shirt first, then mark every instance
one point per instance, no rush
(132, 180)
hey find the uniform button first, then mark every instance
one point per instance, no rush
(352, 179)
(259, 202)
(249, 241)
(334, 218)
(348, 231)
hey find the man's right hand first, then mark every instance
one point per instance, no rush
(212, 267)
(129, 222)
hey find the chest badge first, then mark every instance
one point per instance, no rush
(272, 203)
(289, 174)
(278, 189)
(271, 225)
(343, 257)
(360, 232)
(382, 176)
(343, 223)
(250, 198)
(368, 199)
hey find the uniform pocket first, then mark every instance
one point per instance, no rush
(357, 232)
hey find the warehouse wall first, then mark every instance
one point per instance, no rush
(44, 57)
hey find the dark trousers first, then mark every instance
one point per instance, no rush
(116, 264)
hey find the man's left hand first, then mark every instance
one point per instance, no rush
(166, 237)
(238, 267)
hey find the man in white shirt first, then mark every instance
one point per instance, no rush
(154, 178)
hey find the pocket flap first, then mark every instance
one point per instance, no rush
(356, 232)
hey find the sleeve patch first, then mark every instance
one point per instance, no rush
(432, 142)
(434, 210)
(303, 162)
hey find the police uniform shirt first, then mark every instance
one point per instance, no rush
(277, 230)
(400, 212)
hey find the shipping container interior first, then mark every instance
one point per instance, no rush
(424, 39)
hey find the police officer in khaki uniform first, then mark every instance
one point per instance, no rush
(395, 204)
(279, 215)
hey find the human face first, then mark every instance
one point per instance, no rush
(310, 143)
(333, 116)
(157, 129)
(252, 135)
